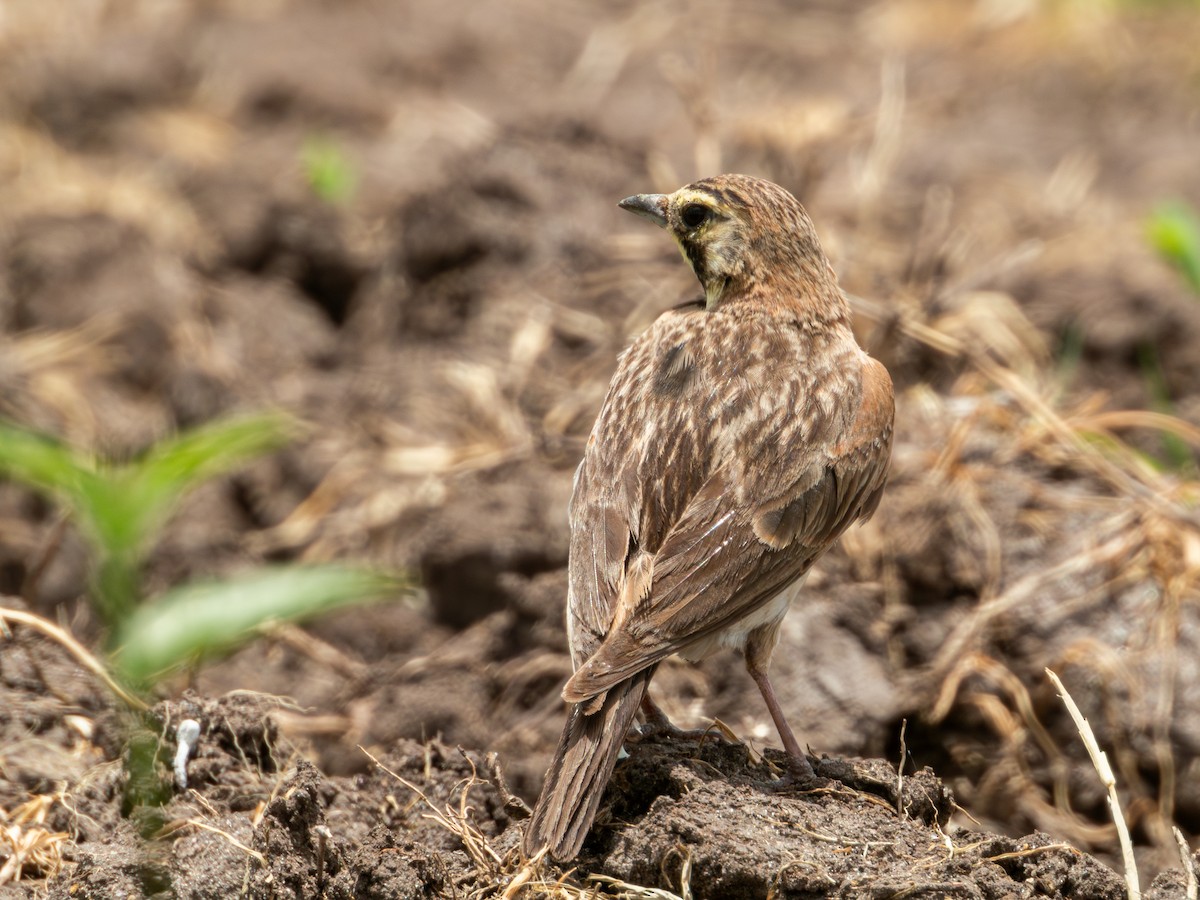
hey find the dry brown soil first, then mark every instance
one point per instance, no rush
(980, 173)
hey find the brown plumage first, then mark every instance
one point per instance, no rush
(741, 435)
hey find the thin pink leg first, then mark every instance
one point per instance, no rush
(801, 768)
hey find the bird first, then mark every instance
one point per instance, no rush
(741, 434)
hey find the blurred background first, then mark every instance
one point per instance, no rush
(397, 221)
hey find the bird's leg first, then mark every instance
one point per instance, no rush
(758, 658)
(656, 717)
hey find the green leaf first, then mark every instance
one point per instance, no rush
(329, 172)
(134, 501)
(1174, 231)
(125, 503)
(42, 463)
(120, 508)
(179, 463)
(195, 621)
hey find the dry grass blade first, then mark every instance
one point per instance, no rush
(1031, 851)
(1110, 551)
(76, 649)
(627, 891)
(1117, 420)
(1189, 868)
(204, 826)
(1152, 491)
(1104, 770)
(525, 876)
(881, 157)
(457, 821)
(1131, 482)
(26, 846)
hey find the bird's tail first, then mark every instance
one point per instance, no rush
(585, 758)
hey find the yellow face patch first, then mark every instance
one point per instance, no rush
(707, 235)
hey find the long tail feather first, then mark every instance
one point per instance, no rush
(583, 762)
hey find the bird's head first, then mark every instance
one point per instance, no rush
(739, 233)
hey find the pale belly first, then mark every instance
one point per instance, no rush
(734, 637)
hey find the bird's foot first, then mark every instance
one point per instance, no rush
(799, 776)
(659, 726)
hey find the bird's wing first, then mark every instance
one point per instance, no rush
(745, 535)
(641, 467)
(600, 544)
(849, 487)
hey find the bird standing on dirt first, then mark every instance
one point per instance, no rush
(741, 435)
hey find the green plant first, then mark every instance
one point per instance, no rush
(1174, 231)
(121, 507)
(328, 170)
(205, 618)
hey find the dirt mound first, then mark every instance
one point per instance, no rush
(423, 820)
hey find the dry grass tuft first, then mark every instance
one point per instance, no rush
(1110, 525)
(27, 848)
(510, 874)
(492, 867)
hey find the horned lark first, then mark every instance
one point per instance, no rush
(741, 435)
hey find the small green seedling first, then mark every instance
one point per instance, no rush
(329, 172)
(1174, 231)
(122, 507)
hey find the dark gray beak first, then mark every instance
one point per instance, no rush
(648, 206)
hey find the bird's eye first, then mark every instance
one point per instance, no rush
(694, 215)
